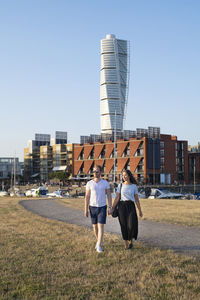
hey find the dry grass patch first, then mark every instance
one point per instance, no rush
(182, 212)
(77, 203)
(48, 259)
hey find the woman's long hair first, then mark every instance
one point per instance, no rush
(131, 177)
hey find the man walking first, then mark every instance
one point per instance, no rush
(95, 201)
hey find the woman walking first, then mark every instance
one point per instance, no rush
(126, 197)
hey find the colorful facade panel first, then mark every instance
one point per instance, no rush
(98, 149)
(77, 151)
(88, 150)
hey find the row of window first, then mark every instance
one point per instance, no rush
(139, 169)
(102, 155)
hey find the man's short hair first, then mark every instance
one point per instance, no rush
(99, 167)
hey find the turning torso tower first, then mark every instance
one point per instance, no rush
(113, 83)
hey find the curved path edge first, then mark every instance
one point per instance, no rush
(181, 239)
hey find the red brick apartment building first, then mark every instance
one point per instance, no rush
(194, 167)
(151, 160)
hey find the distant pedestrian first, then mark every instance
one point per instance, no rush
(126, 197)
(95, 201)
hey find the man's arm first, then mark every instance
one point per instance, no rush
(109, 201)
(87, 200)
(117, 198)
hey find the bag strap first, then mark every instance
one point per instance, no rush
(119, 193)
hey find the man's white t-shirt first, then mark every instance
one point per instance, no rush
(128, 191)
(97, 192)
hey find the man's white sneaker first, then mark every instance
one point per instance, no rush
(99, 249)
(97, 245)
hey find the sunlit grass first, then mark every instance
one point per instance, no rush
(48, 259)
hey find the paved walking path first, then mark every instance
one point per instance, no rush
(181, 239)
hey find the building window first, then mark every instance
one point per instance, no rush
(81, 171)
(91, 169)
(162, 144)
(112, 154)
(91, 156)
(102, 155)
(81, 155)
(126, 151)
(127, 166)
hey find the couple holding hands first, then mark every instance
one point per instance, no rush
(126, 198)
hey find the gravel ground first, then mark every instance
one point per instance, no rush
(181, 239)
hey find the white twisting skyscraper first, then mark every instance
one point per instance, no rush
(114, 83)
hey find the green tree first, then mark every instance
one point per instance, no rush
(61, 175)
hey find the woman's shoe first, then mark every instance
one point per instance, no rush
(130, 246)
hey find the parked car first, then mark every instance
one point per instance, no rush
(58, 194)
(141, 195)
(191, 196)
(42, 190)
(164, 194)
(3, 193)
(16, 192)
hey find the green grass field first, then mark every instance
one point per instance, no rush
(48, 259)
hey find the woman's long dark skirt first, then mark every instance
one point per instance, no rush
(128, 220)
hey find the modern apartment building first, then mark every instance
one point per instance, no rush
(46, 162)
(62, 157)
(32, 156)
(42, 156)
(113, 83)
(173, 160)
(60, 138)
(152, 159)
(194, 164)
(9, 166)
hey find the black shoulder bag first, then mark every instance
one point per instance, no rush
(115, 212)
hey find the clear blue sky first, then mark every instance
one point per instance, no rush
(50, 67)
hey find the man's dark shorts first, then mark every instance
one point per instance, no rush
(98, 214)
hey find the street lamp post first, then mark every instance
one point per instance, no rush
(153, 162)
(115, 129)
(194, 176)
(14, 171)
